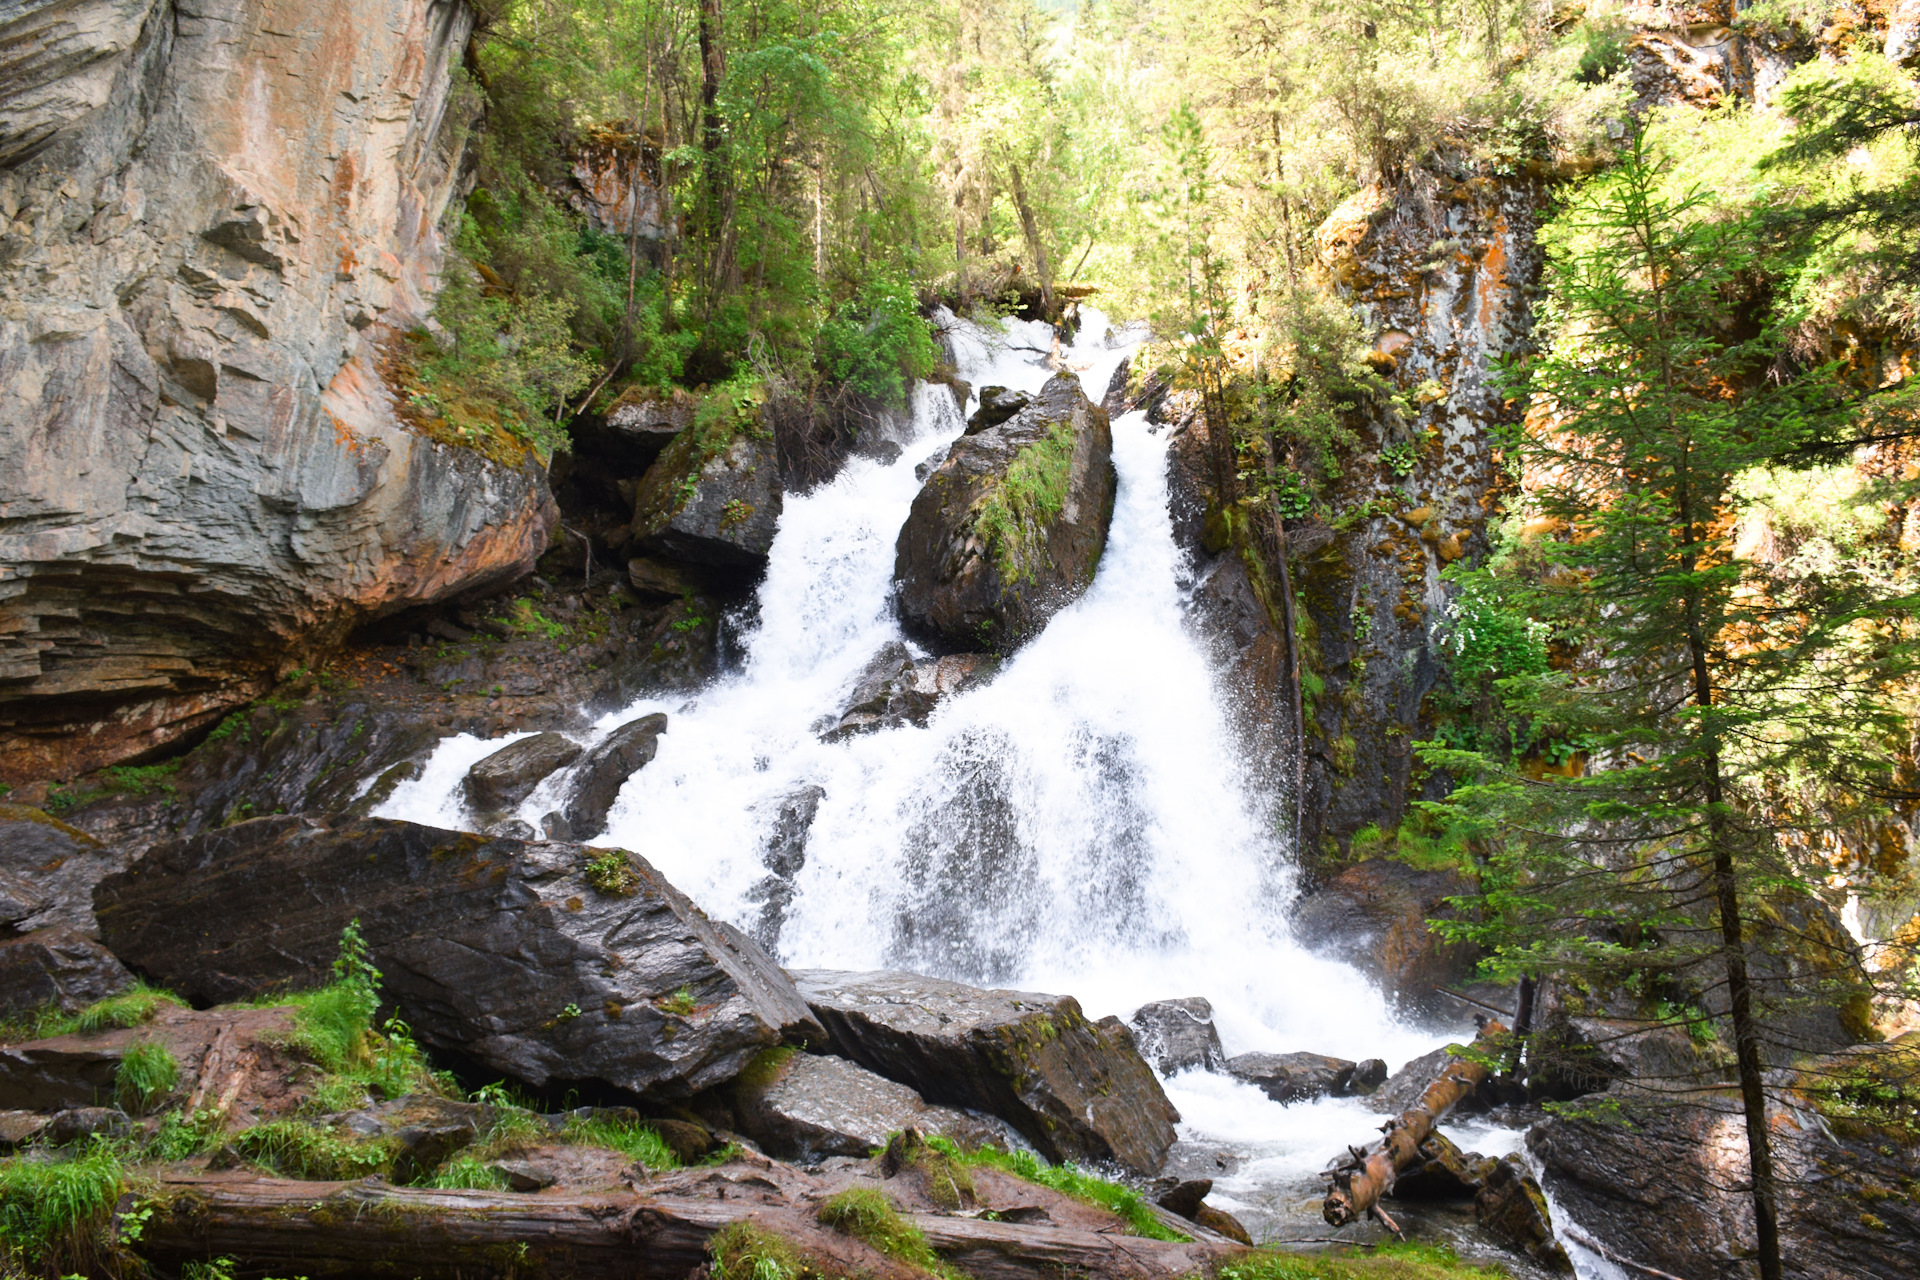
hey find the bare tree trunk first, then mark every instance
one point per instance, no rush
(1031, 228)
(1369, 1173)
(713, 69)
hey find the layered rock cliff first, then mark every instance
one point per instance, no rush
(209, 218)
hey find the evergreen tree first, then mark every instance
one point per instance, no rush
(1728, 713)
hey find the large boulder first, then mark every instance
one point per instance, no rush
(803, 1106)
(894, 690)
(541, 961)
(1175, 1035)
(712, 499)
(1010, 527)
(1295, 1077)
(1074, 1088)
(508, 776)
(212, 242)
(597, 782)
(48, 870)
(62, 968)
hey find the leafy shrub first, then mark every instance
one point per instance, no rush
(877, 343)
(1486, 640)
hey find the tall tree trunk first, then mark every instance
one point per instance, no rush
(1031, 228)
(713, 69)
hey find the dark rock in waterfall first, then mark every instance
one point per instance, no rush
(606, 768)
(997, 404)
(61, 967)
(47, 872)
(1368, 1075)
(1174, 1035)
(1073, 1088)
(805, 1106)
(1374, 915)
(894, 689)
(1294, 1077)
(554, 826)
(925, 468)
(1507, 1201)
(715, 507)
(540, 961)
(1010, 527)
(509, 775)
(783, 854)
(1404, 1087)
(884, 452)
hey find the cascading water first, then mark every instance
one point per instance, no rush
(1083, 823)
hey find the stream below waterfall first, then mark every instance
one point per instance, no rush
(1083, 823)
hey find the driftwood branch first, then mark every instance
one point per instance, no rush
(1368, 1173)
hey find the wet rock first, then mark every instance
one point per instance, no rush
(688, 1141)
(198, 322)
(1404, 1087)
(1010, 527)
(1293, 1077)
(1074, 1089)
(997, 404)
(606, 768)
(18, 1128)
(805, 1106)
(1368, 1075)
(77, 1124)
(894, 689)
(783, 855)
(59, 967)
(425, 1129)
(525, 1175)
(554, 826)
(49, 870)
(639, 427)
(1184, 1197)
(1174, 1035)
(717, 509)
(925, 468)
(1220, 1222)
(79, 1070)
(1511, 1207)
(509, 775)
(885, 452)
(519, 956)
(1374, 915)
(514, 829)
(658, 580)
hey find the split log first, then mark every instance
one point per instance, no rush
(1368, 1173)
(1032, 1251)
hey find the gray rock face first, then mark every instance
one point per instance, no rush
(719, 511)
(1374, 915)
(811, 1106)
(895, 690)
(48, 870)
(1174, 1035)
(1010, 527)
(1293, 1077)
(205, 250)
(997, 404)
(509, 775)
(503, 951)
(59, 967)
(637, 431)
(1073, 1088)
(783, 855)
(606, 768)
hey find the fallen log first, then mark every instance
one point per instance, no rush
(1368, 1173)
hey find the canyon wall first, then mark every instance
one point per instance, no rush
(209, 219)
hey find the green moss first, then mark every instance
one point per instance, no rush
(612, 874)
(128, 1009)
(1389, 1262)
(765, 1066)
(743, 1251)
(1069, 1180)
(467, 1172)
(1013, 513)
(867, 1215)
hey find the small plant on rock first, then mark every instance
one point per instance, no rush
(680, 1002)
(612, 874)
(867, 1215)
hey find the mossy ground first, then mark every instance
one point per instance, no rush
(1390, 1262)
(1012, 515)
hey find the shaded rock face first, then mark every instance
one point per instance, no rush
(637, 430)
(1175, 1035)
(1010, 527)
(1073, 1088)
(47, 872)
(597, 782)
(508, 776)
(718, 511)
(997, 404)
(616, 185)
(212, 237)
(1665, 1188)
(783, 855)
(894, 689)
(812, 1105)
(496, 949)
(1374, 914)
(59, 967)
(1294, 1077)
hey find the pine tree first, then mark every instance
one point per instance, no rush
(1727, 713)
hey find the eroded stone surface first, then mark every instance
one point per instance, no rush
(813, 1105)
(497, 949)
(597, 781)
(47, 872)
(1175, 1035)
(59, 967)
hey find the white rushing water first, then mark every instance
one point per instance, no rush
(1083, 823)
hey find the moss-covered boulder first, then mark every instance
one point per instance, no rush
(1010, 527)
(713, 497)
(1076, 1089)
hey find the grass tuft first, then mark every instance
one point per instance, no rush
(742, 1251)
(1069, 1180)
(54, 1213)
(147, 1071)
(128, 1009)
(465, 1171)
(634, 1141)
(303, 1151)
(1389, 1262)
(867, 1215)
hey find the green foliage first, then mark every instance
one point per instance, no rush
(296, 1150)
(1391, 1261)
(128, 1009)
(1401, 458)
(637, 1141)
(1485, 639)
(148, 1070)
(54, 1213)
(867, 1215)
(680, 1002)
(1068, 1179)
(1013, 514)
(612, 873)
(876, 342)
(465, 1171)
(743, 1251)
